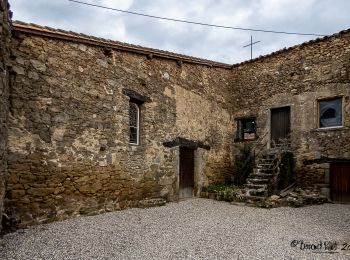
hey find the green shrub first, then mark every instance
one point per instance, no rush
(243, 165)
(287, 173)
(226, 192)
(218, 187)
(262, 204)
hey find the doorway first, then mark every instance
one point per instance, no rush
(186, 173)
(340, 182)
(280, 124)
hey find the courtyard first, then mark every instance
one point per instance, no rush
(191, 229)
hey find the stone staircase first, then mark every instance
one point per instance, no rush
(261, 182)
(258, 182)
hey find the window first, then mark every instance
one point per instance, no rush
(134, 123)
(135, 101)
(246, 129)
(330, 112)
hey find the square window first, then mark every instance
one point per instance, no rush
(246, 129)
(330, 112)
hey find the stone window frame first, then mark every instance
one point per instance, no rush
(138, 100)
(240, 130)
(319, 127)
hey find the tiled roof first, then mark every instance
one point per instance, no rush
(111, 44)
(336, 35)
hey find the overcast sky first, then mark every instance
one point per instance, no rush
(225, 45)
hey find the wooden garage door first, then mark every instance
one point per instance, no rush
(340, 182)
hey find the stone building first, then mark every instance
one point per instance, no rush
(5, 36)
(95, 125)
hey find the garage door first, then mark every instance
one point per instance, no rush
(340, 182)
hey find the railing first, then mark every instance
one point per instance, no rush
(261, 146)
(257, 149)
(282, 147)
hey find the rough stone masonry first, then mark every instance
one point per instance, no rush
(68, 119)
(69, 127)
(5, 36)
(300, 77)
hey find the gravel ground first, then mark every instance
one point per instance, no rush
(192, 229)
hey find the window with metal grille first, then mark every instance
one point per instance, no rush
(330, 112)
(134, 123)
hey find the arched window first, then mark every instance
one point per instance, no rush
(134, 123)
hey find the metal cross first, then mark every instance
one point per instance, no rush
(251, 46)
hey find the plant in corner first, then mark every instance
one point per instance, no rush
(243, 165)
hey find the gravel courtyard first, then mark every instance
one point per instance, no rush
(192, 229)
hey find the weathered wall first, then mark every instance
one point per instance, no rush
(68, 134)
(298, 78)
(69, 124)
(5, 38)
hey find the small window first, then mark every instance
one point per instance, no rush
(134, 123)
(246, 129)
(330, 112)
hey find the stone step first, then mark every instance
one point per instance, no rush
(257, 181)
(256, 186)
(265, 161)
(155, 202)
(255, 192)
(265, 166)
(259, 170)
(254, 198)
(260, 175)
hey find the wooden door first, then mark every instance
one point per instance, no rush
(340, 182)
(186, 178)
(280, 124)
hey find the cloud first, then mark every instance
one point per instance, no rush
(318, 16)
(118, 4)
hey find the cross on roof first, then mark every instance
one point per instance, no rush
(251, 46)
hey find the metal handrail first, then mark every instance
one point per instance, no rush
(262, 144)
(256, 151)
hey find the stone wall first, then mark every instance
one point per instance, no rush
(69, 151)
(298, 78)
(5, 37)
(68, 129)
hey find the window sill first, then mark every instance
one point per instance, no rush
(135, 148)
(325, 129)
(236, 140)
